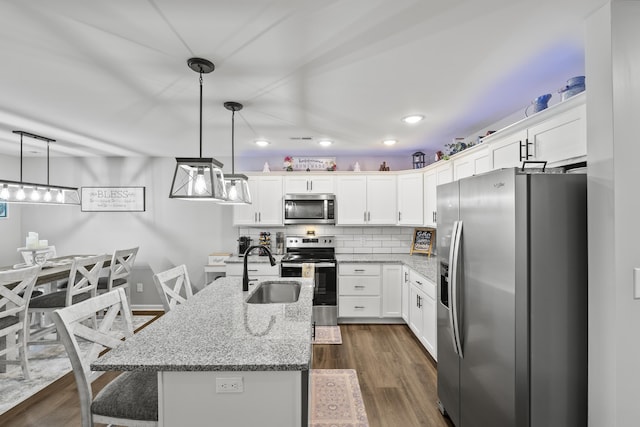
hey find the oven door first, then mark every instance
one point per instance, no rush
(325, 290)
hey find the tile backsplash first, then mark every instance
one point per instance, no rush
(349, 240)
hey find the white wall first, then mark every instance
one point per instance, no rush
(10, 226)
(613, 112)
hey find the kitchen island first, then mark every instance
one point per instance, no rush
(222, 361)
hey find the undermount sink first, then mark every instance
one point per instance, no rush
(271, 292)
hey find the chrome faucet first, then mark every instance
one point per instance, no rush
(245, 275)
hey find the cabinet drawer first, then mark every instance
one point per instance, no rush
(254, 269)
(359, 285)
(427, 286)
(365, 306)
(359, 269)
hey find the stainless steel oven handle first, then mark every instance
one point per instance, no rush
(324, 264)
(289, 265)
(315, 264)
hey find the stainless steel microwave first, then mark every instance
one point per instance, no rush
(309, 209)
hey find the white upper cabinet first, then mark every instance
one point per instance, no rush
(477, 161)
(433, 177)
(366, 199)
(557, 135)
(266, 207)
(410, 199)
(509, 150)
(312, 184)
(561, 139)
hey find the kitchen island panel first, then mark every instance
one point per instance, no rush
(277, 399)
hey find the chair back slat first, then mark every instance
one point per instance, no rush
(16, 287)
(170, 284)
(83, 276)
(107, 334)
(121, 264)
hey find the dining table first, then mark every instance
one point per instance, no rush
(52, 270)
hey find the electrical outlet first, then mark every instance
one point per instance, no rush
(229, 385)
(140, 287)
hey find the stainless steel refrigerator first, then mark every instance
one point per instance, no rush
(512, 299)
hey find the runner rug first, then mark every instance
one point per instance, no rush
(327, 335)
(47, 363)
(336, 400)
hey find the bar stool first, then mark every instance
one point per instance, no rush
(119, 271)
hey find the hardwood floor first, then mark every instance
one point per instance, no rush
(397, 376)
(397, 379)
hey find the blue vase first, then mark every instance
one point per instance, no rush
(538, 104)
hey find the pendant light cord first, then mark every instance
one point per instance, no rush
(47, 163)
(233, 136)
(20, 157)
(200, 114)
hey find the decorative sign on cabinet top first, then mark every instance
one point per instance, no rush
(113, 199)
(309, 163)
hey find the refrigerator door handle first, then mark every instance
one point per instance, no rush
(452, 282)
(455, 245)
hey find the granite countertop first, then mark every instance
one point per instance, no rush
(425, 265)
(216, 330)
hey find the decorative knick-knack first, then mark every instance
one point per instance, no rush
(266, 168)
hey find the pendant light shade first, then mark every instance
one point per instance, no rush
(236, 185)
(43, 194)
(198, 178)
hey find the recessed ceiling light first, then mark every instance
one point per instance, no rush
(262, 142)
(389, 142)
(415, 118)
(325, 142)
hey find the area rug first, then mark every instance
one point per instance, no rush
(327, 335)
(336, 400)
(47, 363)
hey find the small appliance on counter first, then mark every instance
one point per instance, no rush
(265, 241)
(243, 244)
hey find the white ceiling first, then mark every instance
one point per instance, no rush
(110, 78)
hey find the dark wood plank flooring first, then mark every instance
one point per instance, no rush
(397, 378)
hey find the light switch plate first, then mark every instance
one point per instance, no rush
(636, 283)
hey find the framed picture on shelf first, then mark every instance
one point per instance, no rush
(4, 210)
(422, 242)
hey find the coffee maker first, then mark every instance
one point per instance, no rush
(243, 244)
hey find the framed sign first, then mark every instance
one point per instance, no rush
(3, 210)
(113, 199)
(309, 163)
(422, 241)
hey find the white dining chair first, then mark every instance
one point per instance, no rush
(170, 285)
(82, 285)
(131, 399)
(119, 271)
(16, 287)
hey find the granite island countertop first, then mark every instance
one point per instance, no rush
(216, 330)
(423, 264)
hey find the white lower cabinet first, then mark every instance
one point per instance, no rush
(370, 290)
(359, 290)
(422, 311)
(405, 294)
(391, 290)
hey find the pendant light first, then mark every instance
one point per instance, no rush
(198, 178)
(27, 192)
(237, 185)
